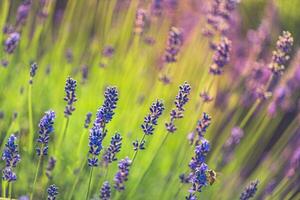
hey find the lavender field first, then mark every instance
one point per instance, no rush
(150, 99)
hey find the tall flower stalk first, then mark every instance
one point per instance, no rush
(33, 68)
(11, 157)
(46, 129)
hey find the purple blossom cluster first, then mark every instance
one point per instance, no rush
(46, 128)
(52, 192)
(106, 112)
(181, 99)
(140, 21)
(95, 143)
(88, 120)
(122, 175)
(11, 42)
(33, 68)
(200, 130)
(11, 157)
(70, 97)
(175, 41)
(249, 191)
(115, 146)
(105, 191)
(281, 56)
(221, 56)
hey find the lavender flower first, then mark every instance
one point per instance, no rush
(201, 128)
(249, 191)
(122, 175)
(174, 43)
(177, 113)
(11, 157)
(198, 176)
(85, 73)
(150, 121)
(156, 7)
(11, 42)
(11, 154)
(115, 146)
(206, 98)
(221, 56)
(33, 68)
(280, 56)
(95, 144)
(87, 120)
(105, 192)
(140, 21)
(8, 175)
(50, 166)
(23, 11)
(46, 128)
(70, 96)
(106, 112)
(52, 192)
(108, 51)
(69, 55)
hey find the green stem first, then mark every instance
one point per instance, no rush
(76, 180)
(89, 186)
(4, 185)
(153, 159)
(36, 173)
(135, 152)
(9, 190)
(31, 135)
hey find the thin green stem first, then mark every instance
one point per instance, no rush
(30, 119)
(89, 186)
(36, 174)
(135, 152)
(4, 185)
(76, 180)
(9, 190)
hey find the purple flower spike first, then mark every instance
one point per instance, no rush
(221, 56)
(280, 56)
(249, 191)
(70, 96)
(122, 175)
(181, 99)
(11, 42)
(105, 192)
(174, 43)
(46, 128)
(115, 146)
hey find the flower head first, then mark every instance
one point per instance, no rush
(106, 112)
(8, 174)
(174, 43)
(249, 191)
(11, 42)
(105, 192)
(181, 99)
(221, 56)
(87, 120)
(33, 68)
(70, 97)
(280, 56)
(150, 121)
(50, 166)
(11, 153)
(95, 144)
(115, 146)
(46, 128)
(122, 175)
(52, 192)
(140, 21)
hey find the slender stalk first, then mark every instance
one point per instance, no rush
(152, 160)
(31, 135)
(36, 174)
(4, 185)
(64, 131)
(9, 190)
(89, 186)
(76, 181)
